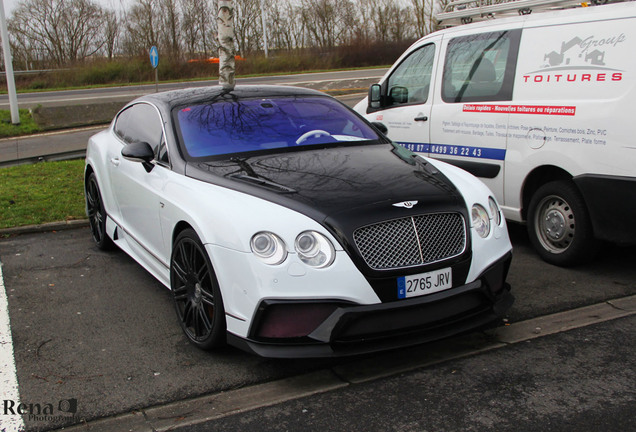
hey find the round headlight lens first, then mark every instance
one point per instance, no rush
(481, 221)
(268, 247)
(494, 209)
(314, 249)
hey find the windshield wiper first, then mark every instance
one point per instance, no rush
(252, 177)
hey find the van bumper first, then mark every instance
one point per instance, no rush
(611, 201)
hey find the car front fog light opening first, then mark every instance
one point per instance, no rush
(268, 247)
(494, 209)
(480, 220)
(314, 249)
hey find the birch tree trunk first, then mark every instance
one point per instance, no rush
(225, 21)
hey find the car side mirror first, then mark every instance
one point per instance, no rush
(381, 127)
(375, 95)
(139, 152)
(400, 95)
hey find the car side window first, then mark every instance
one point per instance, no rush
(141, 123)
(410, 81)
(480, 67)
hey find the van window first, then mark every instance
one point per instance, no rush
(480, 67)
(410, 81)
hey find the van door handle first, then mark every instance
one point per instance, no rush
(115, 161)
(421, 118)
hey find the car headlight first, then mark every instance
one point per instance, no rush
(314, 249)
(268, 247)
(480, 220)
(494, 209)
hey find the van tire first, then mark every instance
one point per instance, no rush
(559, 225)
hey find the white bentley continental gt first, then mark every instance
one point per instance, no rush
(287, 225)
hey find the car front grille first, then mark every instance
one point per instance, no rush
(411, 241)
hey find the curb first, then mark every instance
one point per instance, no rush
(46, 227)
(215, 406)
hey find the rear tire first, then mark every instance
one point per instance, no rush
(559, 225)
(196, 293)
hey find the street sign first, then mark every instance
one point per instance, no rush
(154, 57)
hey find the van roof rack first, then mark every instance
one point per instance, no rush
(467, 11)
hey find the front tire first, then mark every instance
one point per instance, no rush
(96, 213)
(195, 292)
(559, 225)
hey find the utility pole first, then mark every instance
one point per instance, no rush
(8, 67)
(227, 63)
(264, 21)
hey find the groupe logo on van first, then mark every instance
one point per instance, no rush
(571, 77)
(577, 52)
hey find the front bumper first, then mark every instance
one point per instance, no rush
(350, 329)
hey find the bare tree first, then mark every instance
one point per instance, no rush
(141, 19)
(286, 25)
(111, 33)
(247, 25)
(197, 24)
(365, 10)
(326, 21)
(63, 31)
(424, 11)
(170, 29)
(402, 24)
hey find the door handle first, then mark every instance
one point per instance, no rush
(421, 118)
(115, 161)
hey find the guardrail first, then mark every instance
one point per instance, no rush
(31, 72)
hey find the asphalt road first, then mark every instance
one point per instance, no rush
(579, 381)
(95, 327)
(108, 94)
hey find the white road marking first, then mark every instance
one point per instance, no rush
(8, 377)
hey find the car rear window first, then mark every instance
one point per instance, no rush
(237, 126)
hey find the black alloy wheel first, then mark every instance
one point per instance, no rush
(196, 293)
(96, 213)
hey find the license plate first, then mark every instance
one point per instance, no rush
(425, 283)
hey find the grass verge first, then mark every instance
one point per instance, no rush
(27, 124)
(41, 193)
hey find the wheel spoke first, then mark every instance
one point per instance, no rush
(179, 272)
(205, 320)
(180, 293)
(203, 272)
(187, 314)
(196, 325)
(192, 258)
(183, 255)
(207, 298)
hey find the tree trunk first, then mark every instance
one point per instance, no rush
(227, 65)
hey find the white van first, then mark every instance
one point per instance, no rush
(541, 107)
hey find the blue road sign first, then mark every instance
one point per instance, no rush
(154, 57)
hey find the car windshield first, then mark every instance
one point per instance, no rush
(236, 126)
